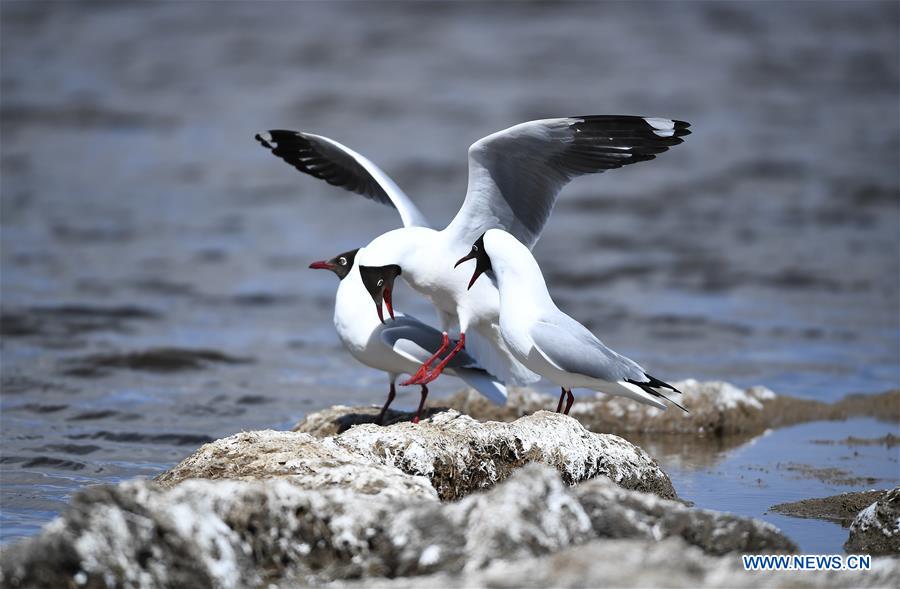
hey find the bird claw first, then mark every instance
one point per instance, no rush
(430, 377)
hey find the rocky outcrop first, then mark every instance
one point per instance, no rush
(716, 408)
(300, 459)
(460, 455)
(635, 563)
(617, 513)
(232, 533)
(841, 509)
(453, 452)
(876, 530)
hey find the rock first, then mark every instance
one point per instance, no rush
(635, 563)
(220, 533)
(716, 408)
(617, 513)
(457, 454)
(876, 530)
(201, 534)
(339, 418)
(460, 455)
(299, 458)
(841, 509)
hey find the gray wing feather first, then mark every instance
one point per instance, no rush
(418, 341)
(516, 174)
(339, 165)
(570, 346)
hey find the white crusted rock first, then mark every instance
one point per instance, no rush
(460, 455)
(635, 563)
(221, 533)
(304, 461)
(617, 513)
(876, 530)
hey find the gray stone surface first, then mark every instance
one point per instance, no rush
(876, 530)
(460, 455)
(617, 513)
(305, 461)
(634, 563)
(232, 533)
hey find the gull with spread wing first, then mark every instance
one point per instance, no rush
(548, 341)
(399, 346)
(515, 176)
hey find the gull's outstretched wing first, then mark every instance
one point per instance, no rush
(516, 174)
(339, 165)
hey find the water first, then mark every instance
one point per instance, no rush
(138, 214)
(748, 477)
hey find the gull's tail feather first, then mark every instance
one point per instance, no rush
(484, 383)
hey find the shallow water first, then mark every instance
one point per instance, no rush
(781, 466)
(154, 284)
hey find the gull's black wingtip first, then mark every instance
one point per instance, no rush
(654, 383)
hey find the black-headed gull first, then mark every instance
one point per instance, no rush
(397, 347)
(515, 176)
(548, 341)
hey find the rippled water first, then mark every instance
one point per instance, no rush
(154, 285)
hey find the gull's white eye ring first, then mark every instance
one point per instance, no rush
(474, 247)
(380, 282)
(342, 261)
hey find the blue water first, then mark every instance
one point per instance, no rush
(752, 477)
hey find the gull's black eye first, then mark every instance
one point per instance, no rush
(342, 261)
(474, 247)
(380, 282)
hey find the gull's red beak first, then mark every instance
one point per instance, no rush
(388, 302)
(323, 265)
(380, 313)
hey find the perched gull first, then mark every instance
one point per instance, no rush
(515, 176)
(548, 341)
(398, 347)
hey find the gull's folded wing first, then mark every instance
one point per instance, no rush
(339, 165)
(516, 174)
(417, 341)
(569, 346)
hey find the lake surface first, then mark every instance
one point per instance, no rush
(155, 290)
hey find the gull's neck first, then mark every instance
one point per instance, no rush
(353, 307)
(519, 278)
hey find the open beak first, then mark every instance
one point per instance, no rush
(465, 258)
(380, 312)
(388, 302)
(323, 265)
(478, 272)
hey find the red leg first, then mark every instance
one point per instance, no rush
(391, 394)
(421, 404)
(569, 401)
(562, 394)
(426, 366)
(443, 364)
